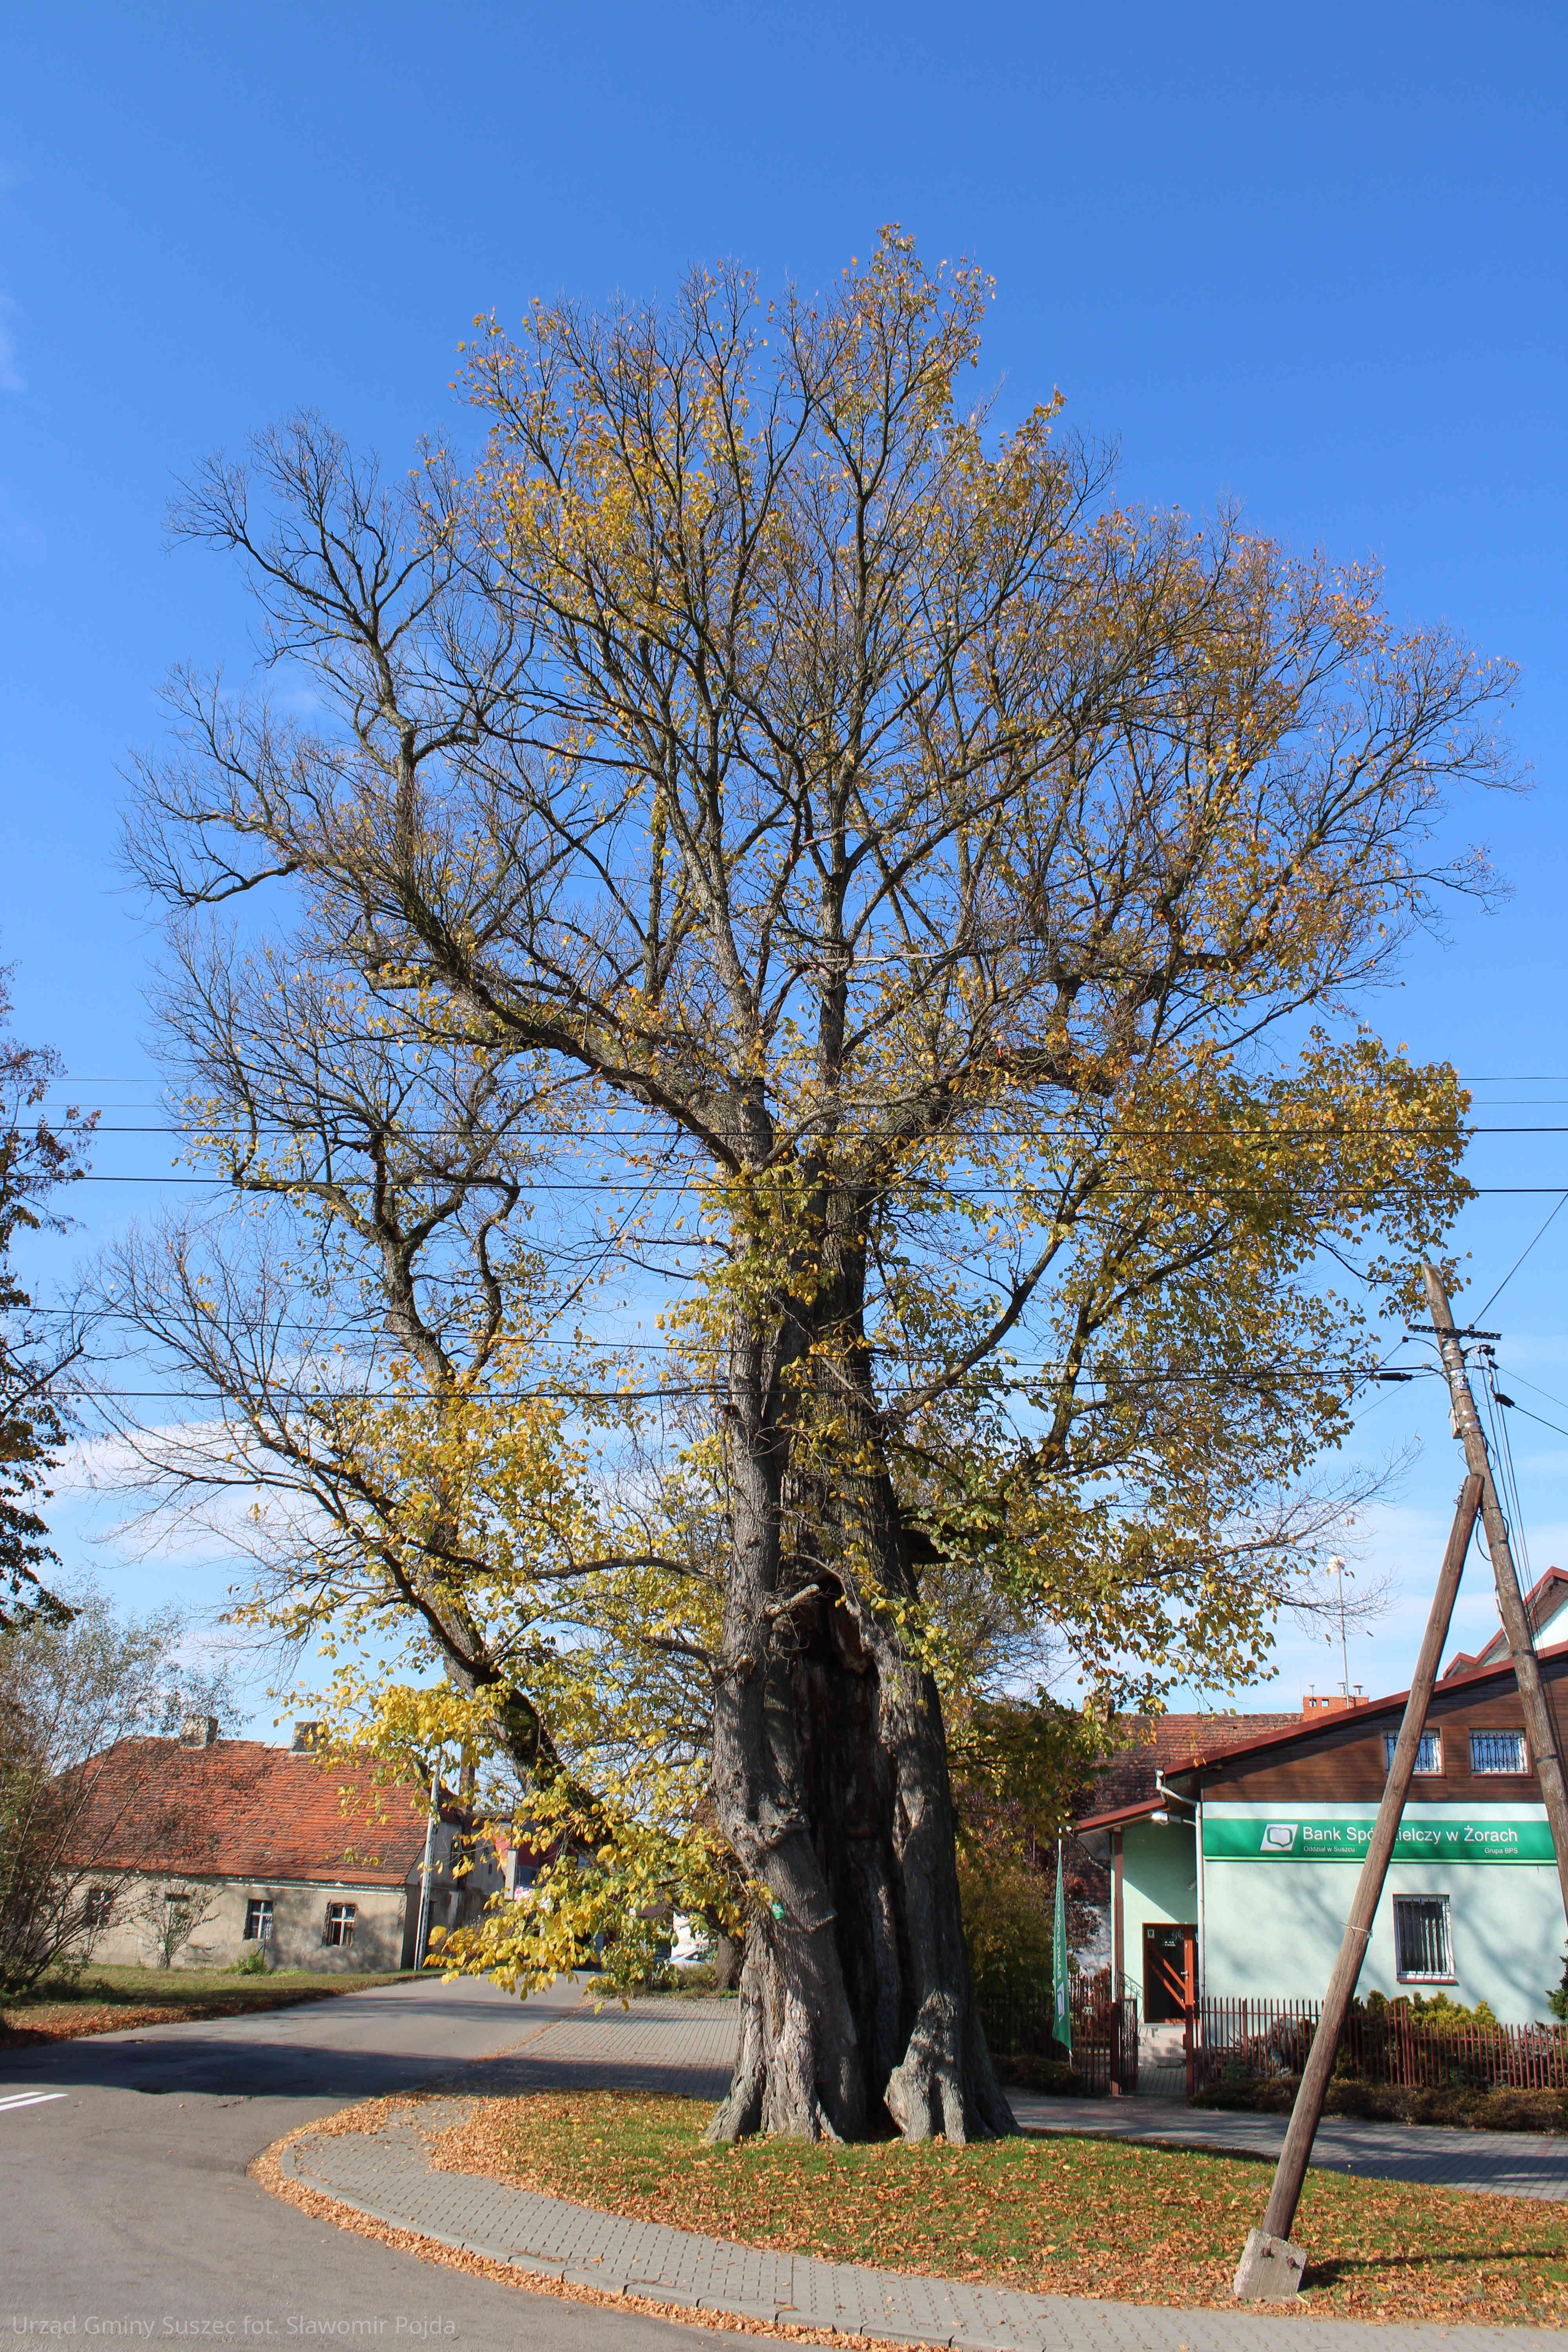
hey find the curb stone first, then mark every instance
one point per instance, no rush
(385, 2176)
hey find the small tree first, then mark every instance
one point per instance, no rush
(86, 1704)
(172, 1915)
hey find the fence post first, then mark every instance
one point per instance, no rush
(1189, 2049)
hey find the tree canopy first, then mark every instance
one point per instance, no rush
(907, 921)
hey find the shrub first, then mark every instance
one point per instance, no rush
(1007, 1921)
(1468, 2110)
(1557, 2002)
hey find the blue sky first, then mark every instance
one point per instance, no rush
(1316, 265)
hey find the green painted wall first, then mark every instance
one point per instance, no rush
(1159, 1883)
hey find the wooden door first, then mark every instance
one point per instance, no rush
(1170, 1970)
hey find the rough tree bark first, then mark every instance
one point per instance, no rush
(832, 1785)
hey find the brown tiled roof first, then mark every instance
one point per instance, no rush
(240, 1808)
(1316, 1726)
(1155, 1743)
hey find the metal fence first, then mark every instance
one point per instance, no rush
(1382, 2042)
(1020, 2018)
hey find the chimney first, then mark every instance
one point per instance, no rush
(199, 1731)
(307, 1736)
(1332, 1702)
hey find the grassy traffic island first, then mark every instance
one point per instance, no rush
(1057, 2216)
(107, 2000)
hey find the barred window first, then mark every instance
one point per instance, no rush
(1428, 1756)
(1423, 1945)
(1498, 1751)
(98, 1907)
(258, 1919)
(339, 1924)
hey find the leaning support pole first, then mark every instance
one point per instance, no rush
(1270, 2267)
(1538, 1720)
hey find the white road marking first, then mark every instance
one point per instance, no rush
(29, 2098)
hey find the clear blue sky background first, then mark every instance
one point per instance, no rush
(1314, 261)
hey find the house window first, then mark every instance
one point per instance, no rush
(98, 1907)
(258, 1919)
(1428, 1756)
(340, 1923)
(1499, 1751)
(1423, 1945)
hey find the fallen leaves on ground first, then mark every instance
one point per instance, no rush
(24, 2024)
(1057, 2216)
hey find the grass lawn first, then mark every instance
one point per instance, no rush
(1055, 2216)
(105, 2000)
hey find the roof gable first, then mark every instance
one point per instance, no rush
(1543, 1605)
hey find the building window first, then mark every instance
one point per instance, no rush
(98, 1907)
(258, 1919)
(1428, 1756)
(1499, 1751)
(340, 1923)
(1423, 1947)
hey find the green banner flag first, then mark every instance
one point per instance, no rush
(1061, 1981)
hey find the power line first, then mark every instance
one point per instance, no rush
(1519, 1261)
(397, 1129)
(1183, 1183)
(1519, 1381)
(1538, 1417)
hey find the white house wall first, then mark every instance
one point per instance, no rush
(1272, 1929)
(384, 1917)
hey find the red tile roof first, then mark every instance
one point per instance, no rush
(1319, 1727)
(1155, 1743)
(240, 1808)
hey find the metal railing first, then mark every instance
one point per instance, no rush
(1020, 2018)
(1383, 2043)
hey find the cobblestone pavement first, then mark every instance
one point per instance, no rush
(684, 2047)
(386, 2174)
(1495, 2164)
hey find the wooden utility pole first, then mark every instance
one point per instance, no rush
(1270, 2267)
(1538, 1717)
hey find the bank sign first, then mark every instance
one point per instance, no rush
(1284, 1837)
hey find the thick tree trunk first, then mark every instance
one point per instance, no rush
(727, 1955)
(831, 1781)
(857, 2006)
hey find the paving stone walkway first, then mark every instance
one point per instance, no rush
(1494, 2164)
(686, 2047)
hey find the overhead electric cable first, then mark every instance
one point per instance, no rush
(1519, 1261)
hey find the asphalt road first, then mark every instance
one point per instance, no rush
(126, 2214)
